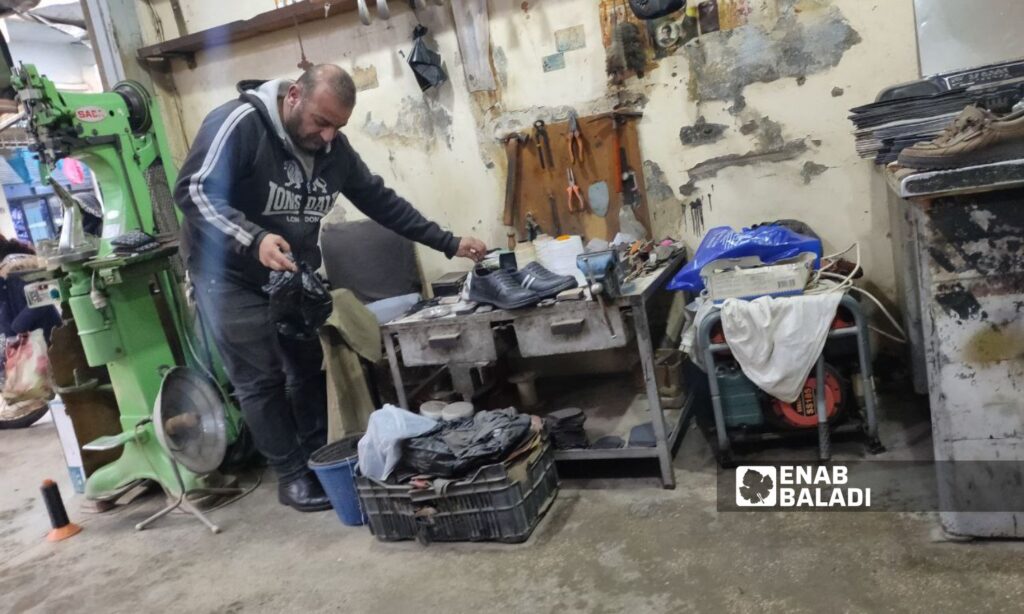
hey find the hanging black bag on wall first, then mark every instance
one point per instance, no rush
(652, 9)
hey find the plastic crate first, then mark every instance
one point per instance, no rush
(490, 506)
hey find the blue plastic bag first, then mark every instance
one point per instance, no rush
(769, 243)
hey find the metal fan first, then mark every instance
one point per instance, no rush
(188, 418)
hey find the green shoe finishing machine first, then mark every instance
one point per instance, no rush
(130, 310)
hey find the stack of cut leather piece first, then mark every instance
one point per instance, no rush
(565, 427)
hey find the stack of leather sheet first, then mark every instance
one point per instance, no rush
(919, 111)
(885, 128)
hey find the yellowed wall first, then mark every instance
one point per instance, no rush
(438, 149)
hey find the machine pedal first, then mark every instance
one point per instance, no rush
(108, 442)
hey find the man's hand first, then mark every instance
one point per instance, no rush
(272, 253)
(472, 248)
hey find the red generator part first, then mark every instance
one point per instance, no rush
(803, 413)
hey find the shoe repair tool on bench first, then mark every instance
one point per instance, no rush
(540, 136)
(604, 274)
(574, 138)
(574, 194)
(512, 142)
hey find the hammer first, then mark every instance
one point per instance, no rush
(512, 142)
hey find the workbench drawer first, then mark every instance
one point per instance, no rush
(563, 329)
(439, 344)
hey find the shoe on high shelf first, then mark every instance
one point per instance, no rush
(975, 137)
(499, 288)
(535, 277)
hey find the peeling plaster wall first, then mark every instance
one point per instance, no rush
(769, 138)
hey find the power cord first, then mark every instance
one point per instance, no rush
(824, 282)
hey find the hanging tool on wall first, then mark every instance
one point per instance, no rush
(364, 12)
(575, 139)
(303, 64)
(628, 181)
(540, 137)
(554, 214)
(533, 229)
(512, 142)
(597, 195)
(576, 204)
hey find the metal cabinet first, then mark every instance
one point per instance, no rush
(969, 228)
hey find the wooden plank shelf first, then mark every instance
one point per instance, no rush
(235, 31)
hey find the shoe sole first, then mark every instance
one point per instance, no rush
(568, 285)
(1004, 152)
(506, 306)
(309, 508)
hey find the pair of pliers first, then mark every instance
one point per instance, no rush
(540, 136)
(575, 139)
(574, 193)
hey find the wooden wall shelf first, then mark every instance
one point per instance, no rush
(226, 34)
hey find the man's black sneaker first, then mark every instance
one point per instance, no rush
(535, 277)
(499, 288)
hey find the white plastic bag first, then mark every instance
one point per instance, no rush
(28, 368)
(381, 447)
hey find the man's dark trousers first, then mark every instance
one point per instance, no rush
(279, 382)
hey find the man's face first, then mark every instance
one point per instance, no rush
(312, 120)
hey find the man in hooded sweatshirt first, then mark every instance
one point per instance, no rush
(263, 171)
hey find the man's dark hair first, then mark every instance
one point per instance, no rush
(332, 77)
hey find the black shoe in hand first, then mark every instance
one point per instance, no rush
(535, 277)
(304, 493)
(499, 288)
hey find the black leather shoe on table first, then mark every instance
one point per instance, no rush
(535, 277)
(304, 493)
(501, 289)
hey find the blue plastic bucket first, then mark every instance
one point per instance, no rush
(335, 467)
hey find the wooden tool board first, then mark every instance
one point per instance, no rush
(534, 184)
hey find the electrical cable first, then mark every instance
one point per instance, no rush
(238, 497)
(825, 281)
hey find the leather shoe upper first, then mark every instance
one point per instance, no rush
(501, 289)
(535, 277)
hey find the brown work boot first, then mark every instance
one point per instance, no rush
(975, 137)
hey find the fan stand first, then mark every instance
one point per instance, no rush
(183, 501)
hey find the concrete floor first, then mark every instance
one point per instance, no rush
(610, 545)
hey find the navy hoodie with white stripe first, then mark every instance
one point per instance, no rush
(241, 180)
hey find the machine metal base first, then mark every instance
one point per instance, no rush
(142, 459)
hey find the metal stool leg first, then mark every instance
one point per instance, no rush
(867, 375)
(824, 437)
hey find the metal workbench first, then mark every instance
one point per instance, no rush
(463, 342)
(963, 230)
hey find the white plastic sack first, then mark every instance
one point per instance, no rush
(700, 307)
(28, 368)
(381, 447)
(777, 341)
